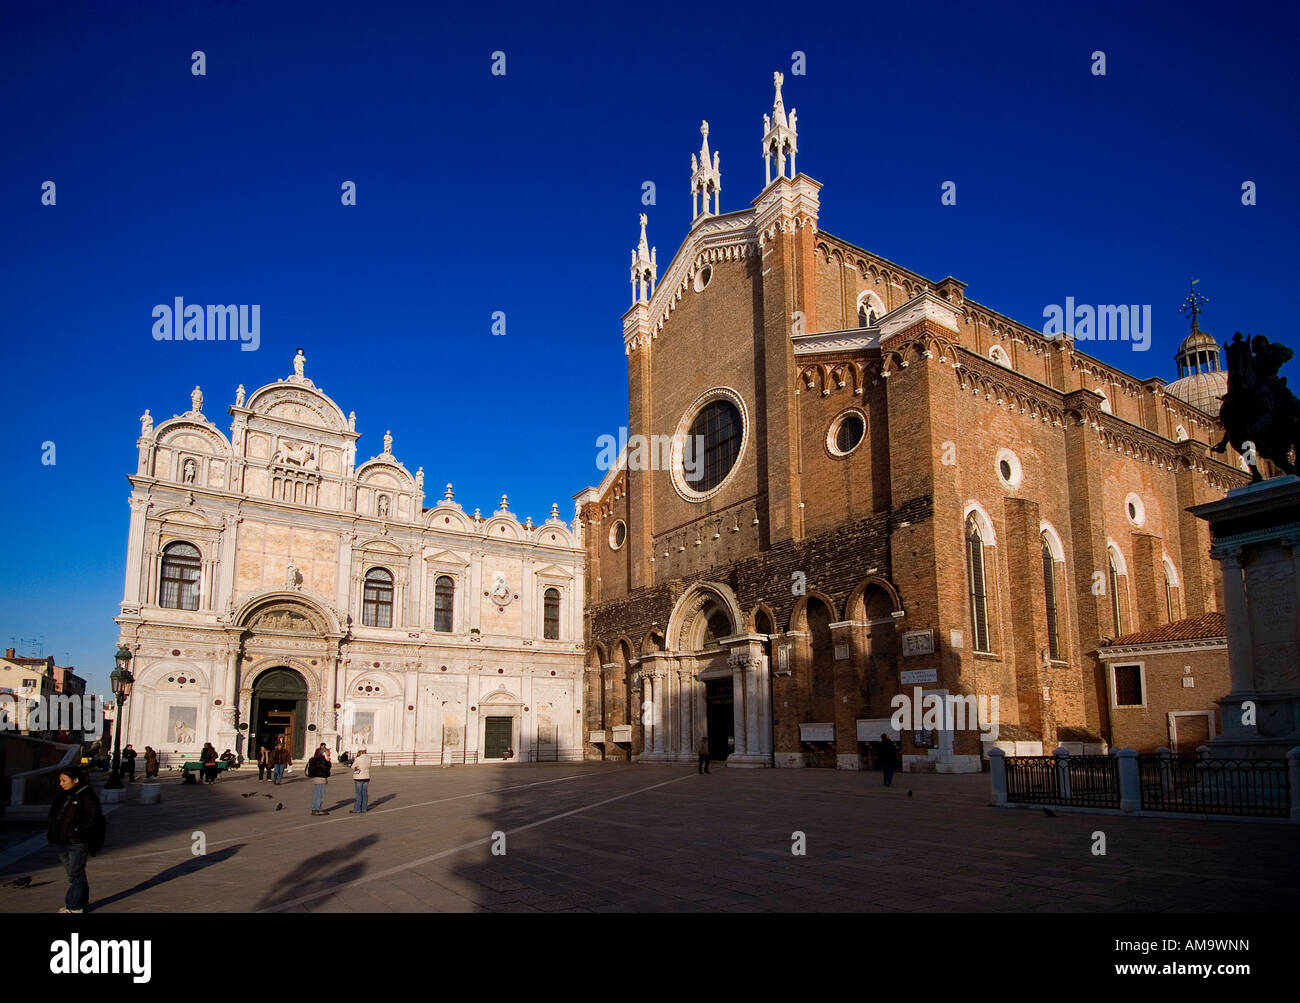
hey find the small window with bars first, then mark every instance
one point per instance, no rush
(1128, 686)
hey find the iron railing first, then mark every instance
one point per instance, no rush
(1192, 783)
(1082, 781)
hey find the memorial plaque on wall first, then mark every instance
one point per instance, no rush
(918, 642)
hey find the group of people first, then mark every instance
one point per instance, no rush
(319, 768)
(272, 761)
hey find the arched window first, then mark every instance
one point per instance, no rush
(866, 316)
(1118, 581)
(551, 615)
(978, 595)
(821, 643)
(179, 588)
(377, 601)
(1171, 591)
(444, 592)
(1049, 587)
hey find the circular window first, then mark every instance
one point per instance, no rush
(708, 443)
(1135, 510)
(846, 433)
(1008, 466)
(703, 277)
(617, 534)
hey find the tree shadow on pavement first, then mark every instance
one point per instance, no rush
(191, 866)
(314, 873)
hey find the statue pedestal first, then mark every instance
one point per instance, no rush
(1256, 540)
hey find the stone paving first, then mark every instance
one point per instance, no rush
(622, 838)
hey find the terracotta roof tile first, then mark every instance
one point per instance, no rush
(1193, 627)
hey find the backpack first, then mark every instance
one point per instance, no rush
(96, 833)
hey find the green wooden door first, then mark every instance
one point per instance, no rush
(496, 737)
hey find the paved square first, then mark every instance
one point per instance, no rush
(612, 838)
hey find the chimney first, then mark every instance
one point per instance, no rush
(9, 652)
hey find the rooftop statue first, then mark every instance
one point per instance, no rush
(1260, 415)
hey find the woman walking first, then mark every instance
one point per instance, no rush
(361, 783)
(263, 762)
(150, 762)
(280, 758)
(318, 768)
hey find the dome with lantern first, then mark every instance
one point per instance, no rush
(1202, 380)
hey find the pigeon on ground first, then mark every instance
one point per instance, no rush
(20, 882)
(1049, 813)
(252, 795)
(266, 795)
(278, 806)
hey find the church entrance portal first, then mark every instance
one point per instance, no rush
(721, 718)
(279, 709)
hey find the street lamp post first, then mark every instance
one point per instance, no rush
(122, 679)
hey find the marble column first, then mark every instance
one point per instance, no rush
(1238, 620)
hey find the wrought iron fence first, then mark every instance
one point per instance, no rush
(1083, 781)
(1191, 783)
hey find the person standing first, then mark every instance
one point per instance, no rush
(77, 829)
(208, 757)
(263, 762)
(888, 758)
(318, 768)
(128, 763)
(280, 758)
(703, 750)
(361, 783)
(150, 762)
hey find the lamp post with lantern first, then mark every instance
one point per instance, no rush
(122, 680)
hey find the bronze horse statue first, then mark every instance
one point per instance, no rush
(1260, 414)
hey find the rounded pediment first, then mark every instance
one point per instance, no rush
(385, 472)
(285, 612)
(448, 517)
(192, 434)
(502, 528)
(299, 403)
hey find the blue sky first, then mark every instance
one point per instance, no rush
(520, 193)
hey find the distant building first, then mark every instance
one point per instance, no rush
(28, 680)
(276, 586)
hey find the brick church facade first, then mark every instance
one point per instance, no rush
(899, 488)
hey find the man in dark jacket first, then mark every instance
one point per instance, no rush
(888, 758)
(128, 763)
(318, 768)
(280, 758)
(76, 824)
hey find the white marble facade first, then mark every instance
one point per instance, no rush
(250, 553)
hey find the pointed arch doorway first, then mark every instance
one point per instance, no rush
(279, 710)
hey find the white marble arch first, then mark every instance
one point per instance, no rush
(683, 624)
(673, 682)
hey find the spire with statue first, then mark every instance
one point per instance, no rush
(706, 178)
(645, 268)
